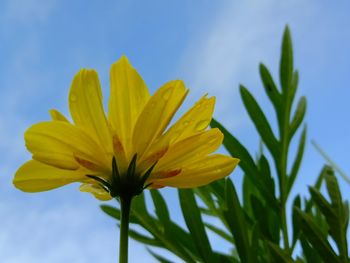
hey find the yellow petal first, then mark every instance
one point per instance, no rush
(96, 190)
(193, 122)
(157, 114)
(201, 172)
(85, 104)
(129, 95)
(34, 176)
(62, 160)
(57, 116)
(190, 149)
(61, 141)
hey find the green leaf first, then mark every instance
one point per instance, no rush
(158, 257)
(315, 237)
(254, 248)
(297, 161)
(270, 87)
(294, 85)
(260, 214)
(295, 221)
(220, 232)
(160, 207)
(177, 241)
(298, 116)
(236, 220)
(261, 123)
(194, 223)
(236, 149)
(286, 63)
(339, 220)
(278, 254)
(322, 204)
(309, 253)
(115, 213)
(249, 189)
(265, 174)
(144, 239)
(111, 211)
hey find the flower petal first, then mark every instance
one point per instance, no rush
(193, 122)
(85, 104)
(129, 95)
(96, 190)
(190, 149)
(59, 143)
(57, 116)
(201, 172)
(157, 114)
(34, 176)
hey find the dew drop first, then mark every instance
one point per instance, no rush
(202, 125)
(73, 98)
(167, 94)
(198, 105)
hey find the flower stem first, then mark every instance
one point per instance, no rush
(125, 203)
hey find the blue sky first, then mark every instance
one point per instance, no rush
(212, 46)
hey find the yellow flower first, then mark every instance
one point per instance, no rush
(133, 136)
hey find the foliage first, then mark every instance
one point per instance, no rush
(257, 228)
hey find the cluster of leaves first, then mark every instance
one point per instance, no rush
(257, 228)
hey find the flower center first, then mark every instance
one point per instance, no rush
(125, 185)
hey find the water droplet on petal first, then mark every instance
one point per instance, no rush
(202, 125)
(167, 94)
(73, 98)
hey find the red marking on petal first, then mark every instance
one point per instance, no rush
(87, 164)
(117, 145)
(166, 174)
(155, 156)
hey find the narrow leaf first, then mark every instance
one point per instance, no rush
(236, 149)
(298, 117)
(297, 161)
(219, 232)
(315, 237)
(286, 63)
(115, 213)
(278, 254)
(158, 257)
(160, 207)
(144, 239)
(195, 224)
(270, 87)
(260, 121)
(236, 220)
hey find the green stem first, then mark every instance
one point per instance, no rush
(282, 171)
(125, 203)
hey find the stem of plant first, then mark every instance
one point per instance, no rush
(125, 203)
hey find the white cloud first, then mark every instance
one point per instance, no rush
(228, 51)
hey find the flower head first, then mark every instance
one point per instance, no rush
(131, 146)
